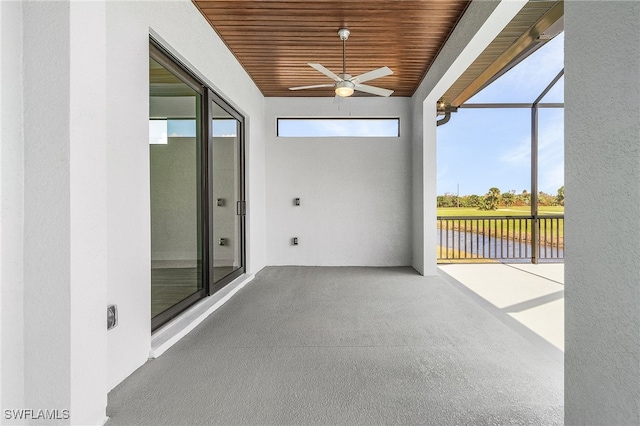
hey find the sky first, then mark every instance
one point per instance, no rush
(331, 127)
(483, 148)
(160, 129)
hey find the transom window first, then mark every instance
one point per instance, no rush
(338, 127)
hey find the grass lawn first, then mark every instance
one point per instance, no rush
(504, 211)
(515, 229)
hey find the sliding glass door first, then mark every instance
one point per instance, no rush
(227, 190)
(197, 189)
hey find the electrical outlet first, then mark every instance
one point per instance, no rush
(112, 316)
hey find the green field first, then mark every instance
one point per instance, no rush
(504, 211)
(551, 231)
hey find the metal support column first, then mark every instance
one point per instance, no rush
(535, 228)
(534, 184)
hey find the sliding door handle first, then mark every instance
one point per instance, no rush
(241, 208)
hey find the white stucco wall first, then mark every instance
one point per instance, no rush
(602, 210)
(11, 207)
(46, 206)
(355, 192)
(75, 213)
(53, 194)
(479, 25)
(128, 28)
(88, 212)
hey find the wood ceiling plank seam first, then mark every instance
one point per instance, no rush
(361, 51)
(266, 6)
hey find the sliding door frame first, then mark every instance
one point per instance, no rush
(241, 205)
(171, 63)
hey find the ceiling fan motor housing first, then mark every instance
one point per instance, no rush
(345, 83)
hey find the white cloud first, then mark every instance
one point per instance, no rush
(540, 68)
(519, 155)
(551, 151)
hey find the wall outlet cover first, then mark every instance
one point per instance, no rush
(112, 316)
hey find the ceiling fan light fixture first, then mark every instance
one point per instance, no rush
(344, 88)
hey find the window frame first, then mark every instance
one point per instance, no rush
(279, 119)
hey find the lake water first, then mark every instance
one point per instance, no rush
(490, 247)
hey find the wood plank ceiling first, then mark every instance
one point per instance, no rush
(274, 40)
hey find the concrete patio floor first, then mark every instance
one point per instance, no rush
(528, 298)
(353, 346)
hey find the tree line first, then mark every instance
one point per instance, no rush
(494, 199)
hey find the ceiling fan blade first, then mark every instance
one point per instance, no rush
(311, 87)
(380, 72)
(325, 71)
(373, 90)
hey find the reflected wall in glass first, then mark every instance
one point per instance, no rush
(175, 183)
(226, 191)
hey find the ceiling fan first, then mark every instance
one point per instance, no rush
(345, 84)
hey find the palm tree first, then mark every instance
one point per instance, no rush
(492, 199)
(560, 196)
(508, 199)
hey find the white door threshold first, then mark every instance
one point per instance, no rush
(166, 336)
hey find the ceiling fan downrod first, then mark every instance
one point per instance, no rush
(344, 35)
(344, 57)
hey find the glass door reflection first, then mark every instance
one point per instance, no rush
(226, 190)
(176, 155)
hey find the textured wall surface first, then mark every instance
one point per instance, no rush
(355, 192)
(47, 207)
(602, 146)
(128, 27)
(75, 189)
(11, 207)
(56, 184)
(479, 25)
